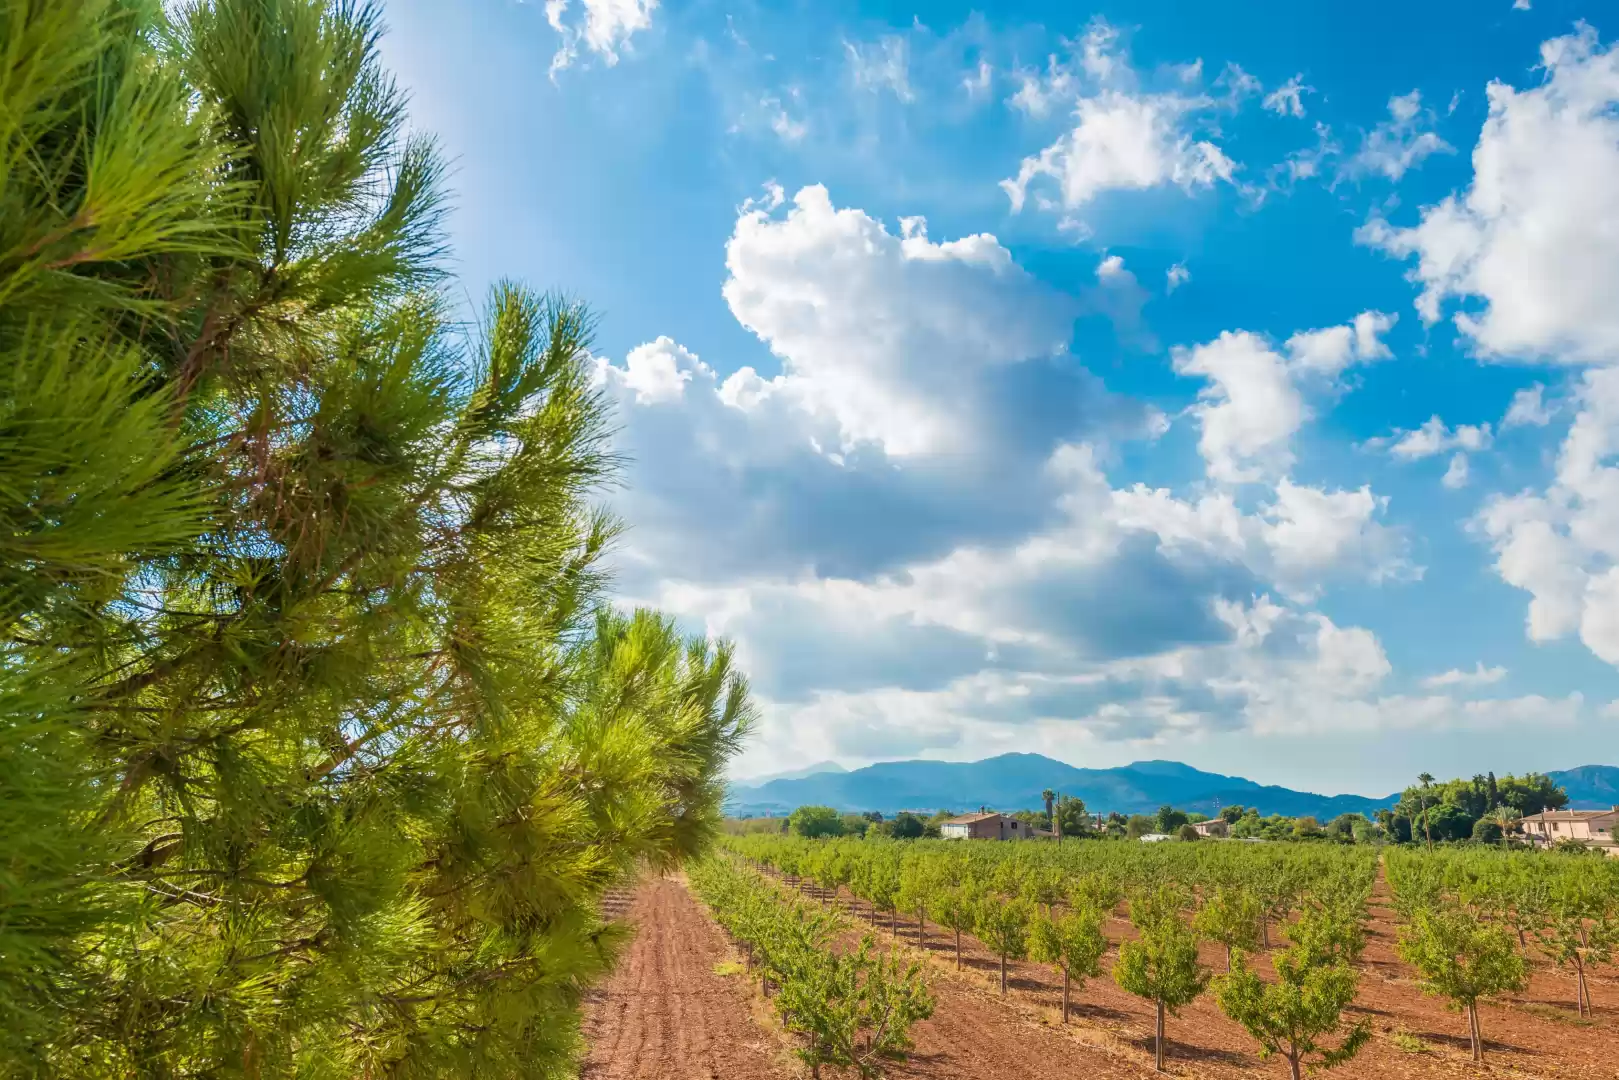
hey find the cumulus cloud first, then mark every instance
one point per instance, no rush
(1253, 404)
(1176, 276)
(1433, 437)
(1123, 138)
(1401, 142)
(605, 29)
(1562, 545)
(1528, 409)
(885, 335)
(1534, 240)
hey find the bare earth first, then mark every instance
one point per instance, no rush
(664, 1014)
(667, 1014)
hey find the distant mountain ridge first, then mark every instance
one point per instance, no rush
(1015, 781)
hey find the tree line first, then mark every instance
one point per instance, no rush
(319, 744)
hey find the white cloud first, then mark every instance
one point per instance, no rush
(1562, 546)
(1328, 352)
(1121, 142)
(1535, 237)
(607, 28)
(1457, 473)
(1399, 143)
(1528, 409)
(1250, 409)
(882, 66)
(883, 334)
(1123, 139)
(978, 83)
(657, 372)
(1433, 437)
(1176, 276)
(1288, 99)
(1520, 5)
(1479, 676)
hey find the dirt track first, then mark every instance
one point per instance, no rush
(665, 1014)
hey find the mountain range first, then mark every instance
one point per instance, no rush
(1015, 781)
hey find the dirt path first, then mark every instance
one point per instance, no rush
(665, 1014)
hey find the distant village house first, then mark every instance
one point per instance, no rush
(1596, 828)
(987, 825)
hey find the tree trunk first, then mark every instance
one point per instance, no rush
(1264, 930)
(1158, 1041)
(1478, 1038)
(1582, 996)
(1228, 959)
(1003, 973)
(958, 948)
(921, 928)
(1065, 994)
(893, 922)
(1293, 1065)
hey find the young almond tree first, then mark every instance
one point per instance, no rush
(1074, 942)
(1291, 1016)
(1569, 942)
(916, 889)
(1161, 964)
(1230, 915)
(1462, 960)
(1003, 925)
(955, 907)
(1328, 933)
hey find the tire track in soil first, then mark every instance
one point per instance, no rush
(664, 1014)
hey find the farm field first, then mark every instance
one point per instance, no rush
(1529, 1031)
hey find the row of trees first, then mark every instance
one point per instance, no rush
(1044, 918)
(318, 746)
(1469, 917)
(852, 1008)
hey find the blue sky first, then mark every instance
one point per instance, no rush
(1237, 384)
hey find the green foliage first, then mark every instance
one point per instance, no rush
(1186, 832)
(1071, 814)
(1291, 1016)
(1462, 960)
(1230, 915)
(1073, 941)
(319, 748)
(1161, 963)
(1004, 926)
(1169, 820)
(906, 826)
(853, 1009)
(814, 821)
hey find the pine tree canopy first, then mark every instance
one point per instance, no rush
(319, 744)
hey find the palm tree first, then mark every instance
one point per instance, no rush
(1426, 779)
(1050, 797)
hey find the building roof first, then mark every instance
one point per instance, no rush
(968, 819)
(1572, 815)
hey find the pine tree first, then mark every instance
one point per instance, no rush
(320, 743)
